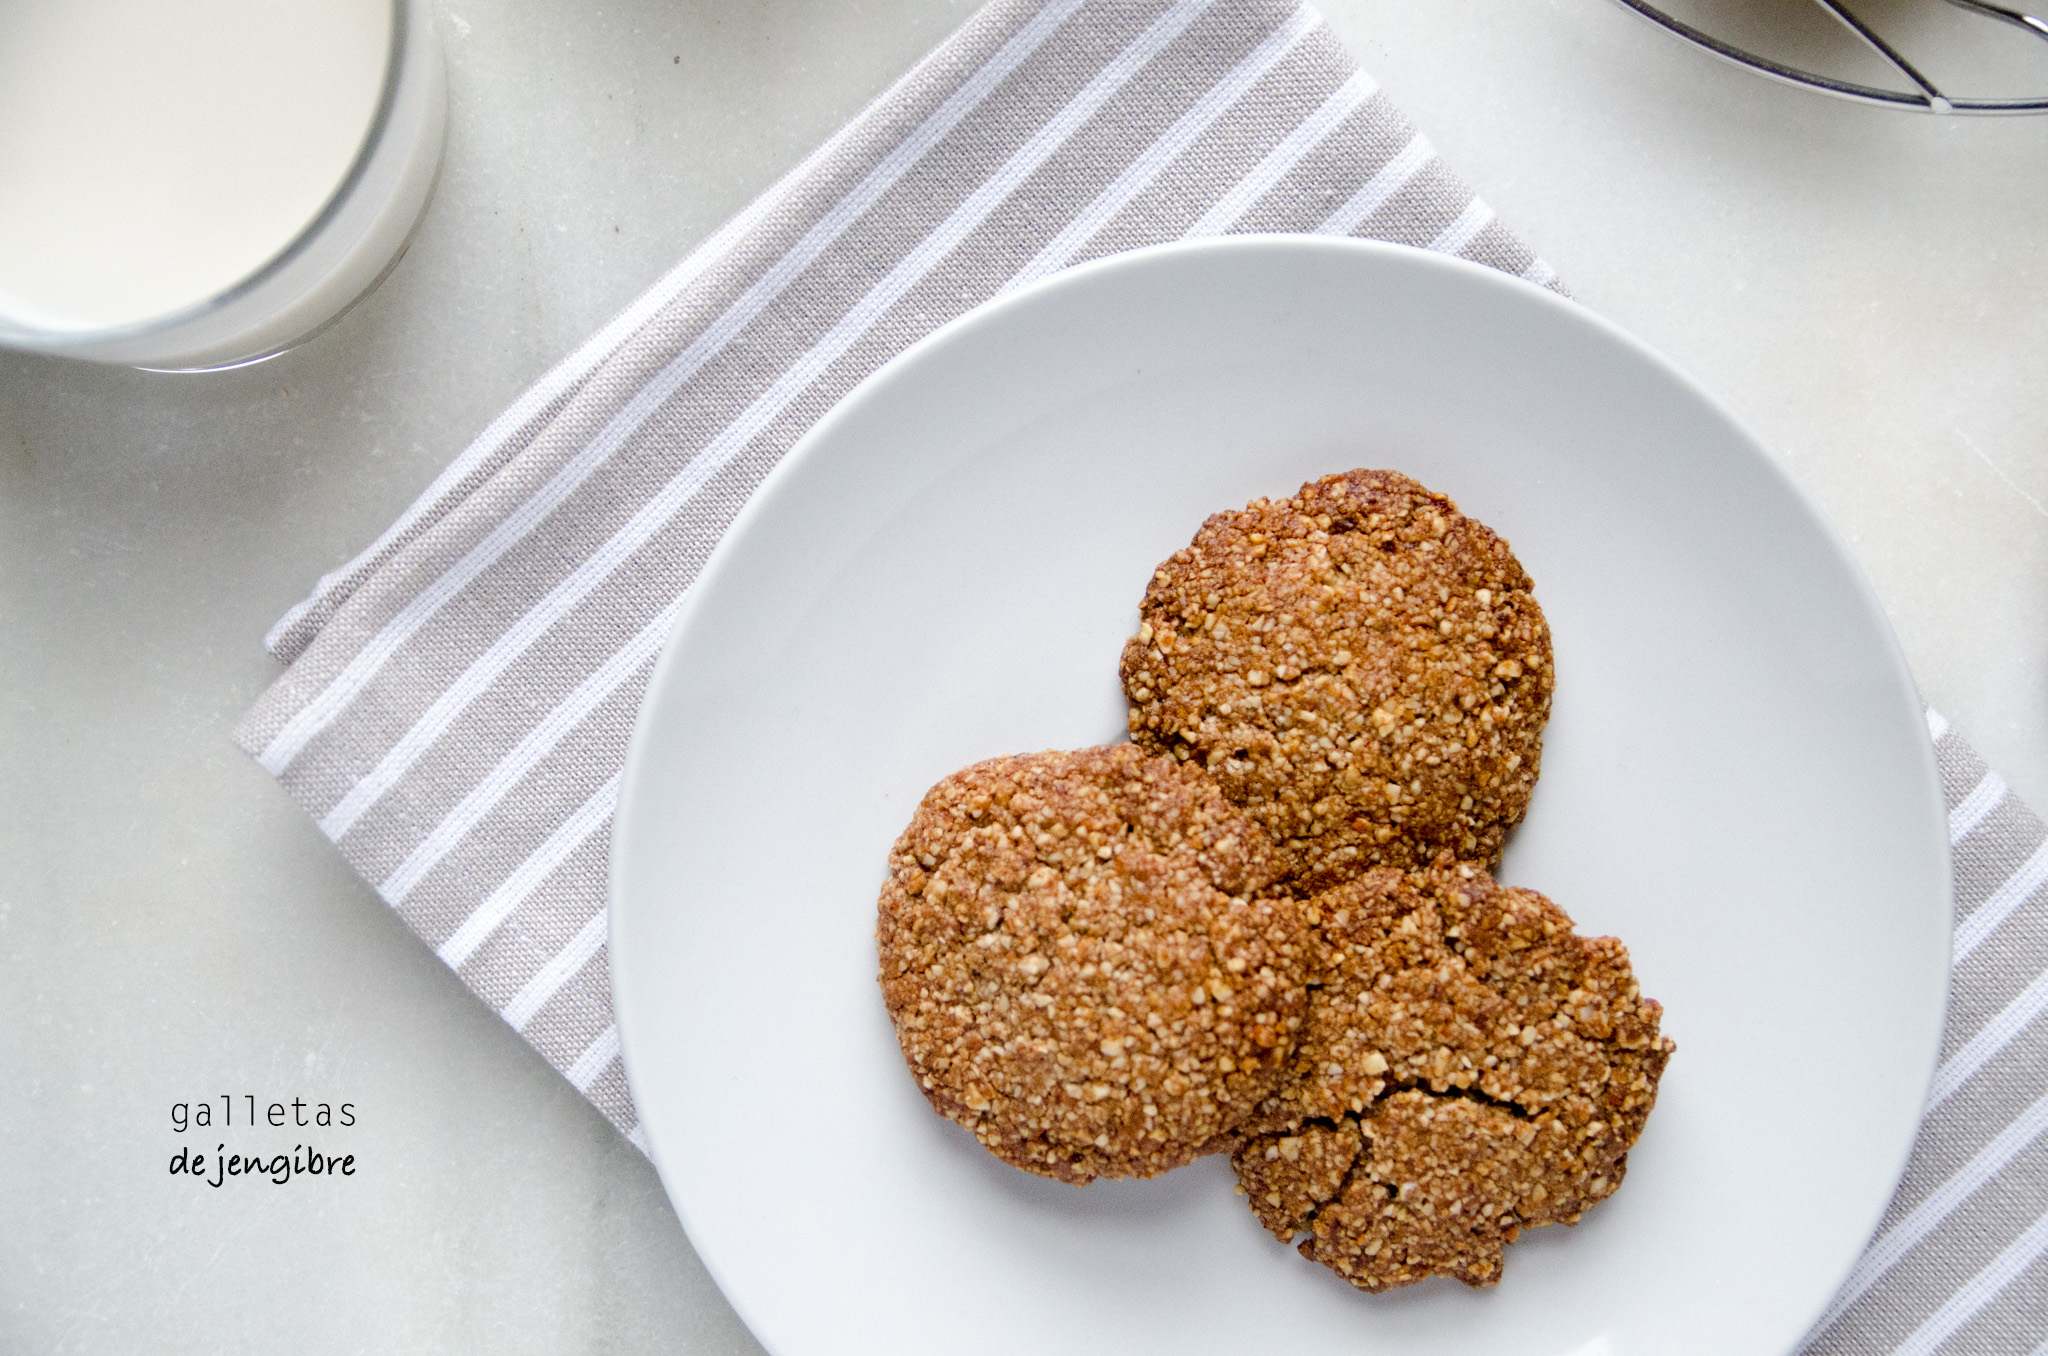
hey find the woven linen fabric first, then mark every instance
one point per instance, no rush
(459, 697)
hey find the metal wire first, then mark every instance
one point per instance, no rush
(1924, 96)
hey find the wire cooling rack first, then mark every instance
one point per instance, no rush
(1922, 94)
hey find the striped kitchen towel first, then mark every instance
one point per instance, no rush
(459, 697)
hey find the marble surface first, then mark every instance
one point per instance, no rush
(1867, 289)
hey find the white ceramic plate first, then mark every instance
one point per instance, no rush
(1736, 781)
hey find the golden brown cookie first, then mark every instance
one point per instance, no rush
(1471, 1067)
(1361, 666)
(1078, 964)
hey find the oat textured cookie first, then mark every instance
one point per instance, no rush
(1361, 666)
(1080, 965)
(1471, 1067)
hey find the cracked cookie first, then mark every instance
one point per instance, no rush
(1470, 1067)
(1080, 965)
(1361, 666)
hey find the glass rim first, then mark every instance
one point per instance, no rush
(44, 339)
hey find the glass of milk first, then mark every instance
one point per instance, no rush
(197, 184)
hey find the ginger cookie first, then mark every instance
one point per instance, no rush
(1362, 667)
(1471, 1067)
(1080, 965)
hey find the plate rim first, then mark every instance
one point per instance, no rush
(993, 312)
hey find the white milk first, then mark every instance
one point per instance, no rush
(154, 154)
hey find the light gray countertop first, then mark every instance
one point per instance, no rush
(1868, 290)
